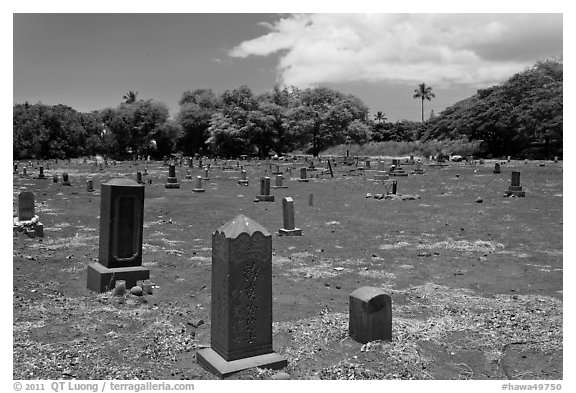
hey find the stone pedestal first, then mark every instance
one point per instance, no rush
(515, 188)
(172, 180)
(370, 315)
(198, 187)
(241, 301)
(497, 168)
(288, 215)
(121, 224)
(242, 181)
(65, 179)
(303, 175)
(279, 181)
(265, 191)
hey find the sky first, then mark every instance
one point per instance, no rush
(89, 61)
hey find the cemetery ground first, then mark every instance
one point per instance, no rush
(476, 288)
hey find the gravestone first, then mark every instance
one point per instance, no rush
(515, 188)
(26, 206)
(139, 178)
(381, 174)
(411, 159)
(172, 181)
(396, 169)
(243, 181)
(288, 215)
(188, 174)
(418, 170)
(279, 180)
(497, 167)
(367, 164)
(24, 171)
(55, 178)
(241, 301)
(276, 170)
(303, 175)
(65, 179)
(41, 175)
(120, 246)
(265, 191)
(391, 187)
(370, 316)
(89, 185)
(198, 187)
(206, 177)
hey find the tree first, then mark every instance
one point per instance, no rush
(424, 93)
(380, 117)
(196, 110)
(130, 97)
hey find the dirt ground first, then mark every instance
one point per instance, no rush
(476, 287)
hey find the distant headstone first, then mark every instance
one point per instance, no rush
(276, 169)
(139, 178)
(188, 174)
(65, 179)
(89, 185)
(278, 182)
(198, 187)
(497, 167)
(172, 181)
(265, 191)
(206, 177)
(243, 181)
(303, 175)
(121, 227)
(41, 175)
(288, 215)
(55, 178)
(367, 163)
(370, 316)
(24, 171)
(241, 309)
(26, 206)
(515, 188)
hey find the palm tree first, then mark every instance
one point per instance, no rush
(130, 97)
(425, 93)
(380, 117)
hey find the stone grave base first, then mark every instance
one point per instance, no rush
(32, 228)
(66, 183)
(278, 186)
(290, 232)
(515, 193)
(205, 178)
(172, 185)
(265, 198)
(399, 174)
(188, 177)
(243, 182)
(102, 279)
(216, 364)
(198, 190)
(305, 180)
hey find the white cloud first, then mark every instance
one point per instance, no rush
(444, 49)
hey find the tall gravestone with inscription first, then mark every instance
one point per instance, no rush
(121, 224)
(172, 180)
(241, 308)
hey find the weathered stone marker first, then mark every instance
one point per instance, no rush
(243, 181)
(121, 223)
(65, 180)
(172, 181)
(370, 315)
(55, 178)
(241, 305)
(139, 178)
(515, 188)
(497, 167)
(26, 206)
(265, 191)
(303, 175)
(41, 175)
(279, 180)
(188, 174)
(198, 187)
(206, 177)
(288, 215)
(89, 185)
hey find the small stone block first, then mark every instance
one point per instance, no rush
(243, 182)
(102, 279)
(216, 364)
(370, 315)
(39, 230)
(198, 190)
(172, 185)
(265, 198)
(515, 188)
(278, 187)
(290, 232)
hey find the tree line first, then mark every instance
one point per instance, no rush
(517, 117)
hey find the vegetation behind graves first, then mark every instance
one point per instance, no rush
(521, 117)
